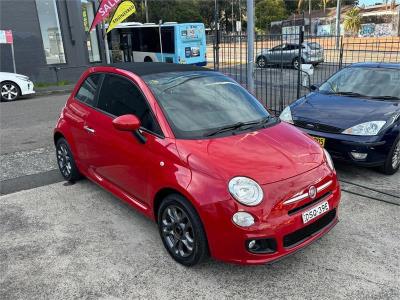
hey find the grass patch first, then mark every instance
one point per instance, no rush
(46, 84)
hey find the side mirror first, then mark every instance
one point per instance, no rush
(126, 123)
(314, 87)
(129, 123)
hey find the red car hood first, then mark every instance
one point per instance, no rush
(267, 155)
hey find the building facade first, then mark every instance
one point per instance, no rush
(52, 41)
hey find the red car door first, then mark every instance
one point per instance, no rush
(120, 157)
(79, 109)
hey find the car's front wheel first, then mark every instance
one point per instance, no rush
(10, 91)
(182, 231)
(392, 162)
(261, 61)
(66, 162)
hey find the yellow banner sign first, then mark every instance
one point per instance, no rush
(124, 10)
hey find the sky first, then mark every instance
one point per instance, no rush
(371, 2)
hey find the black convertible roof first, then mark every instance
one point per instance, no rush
(147, 68)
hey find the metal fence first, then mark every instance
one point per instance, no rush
(281, 81)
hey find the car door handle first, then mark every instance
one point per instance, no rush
(88, 129)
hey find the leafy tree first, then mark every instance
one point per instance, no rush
(267, 11)
(352, 21)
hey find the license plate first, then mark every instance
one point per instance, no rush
(315, 212)
(319, 140)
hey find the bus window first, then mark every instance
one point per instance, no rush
(168, 40)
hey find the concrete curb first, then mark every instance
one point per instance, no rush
(44, 92)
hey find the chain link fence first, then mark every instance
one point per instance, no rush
(286, 64)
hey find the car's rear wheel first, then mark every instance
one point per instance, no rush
(10, 91)
(297, 62)
(392, 162)
(182, 231)
(66, 162)
(262, 61)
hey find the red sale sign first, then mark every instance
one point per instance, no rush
(105, 8)
(9, 37)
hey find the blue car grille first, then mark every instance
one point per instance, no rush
(317, 126)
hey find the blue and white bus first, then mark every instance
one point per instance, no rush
(169, 42)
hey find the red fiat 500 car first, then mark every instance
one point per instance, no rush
(193, 150)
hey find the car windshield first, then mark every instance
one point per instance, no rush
(376, 83)
(201, 104)
(314, 46)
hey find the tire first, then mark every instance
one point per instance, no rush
(66, 162)
(148, 59)
(262, 61)
(10, 91)
(392, 162)
(296, 62)
(181, 231)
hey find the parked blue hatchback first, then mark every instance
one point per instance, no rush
(355, 115)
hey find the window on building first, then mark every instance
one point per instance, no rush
(51, 33)
(92, 42)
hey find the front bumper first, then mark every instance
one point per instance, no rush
(314, 60)
(340, 147)
(27, 88)
(274, 220)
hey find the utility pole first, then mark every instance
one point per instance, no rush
(147, 11)
(337, 23)
(216, 46)
(233, 26)
(309, 17)
(107, 52)
(250, 45)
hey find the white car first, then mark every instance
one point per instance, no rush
(15, 85)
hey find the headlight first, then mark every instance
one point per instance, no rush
(329, 160)
(367, 128)
(23, 77)
(246, 191)
(286, 115)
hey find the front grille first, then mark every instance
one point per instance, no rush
(294, 210)
(300, 235)
(317, 126)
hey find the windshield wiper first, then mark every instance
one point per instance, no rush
(386, 97)
(237, 126)
(350, 94)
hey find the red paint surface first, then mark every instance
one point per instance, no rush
(282, 159)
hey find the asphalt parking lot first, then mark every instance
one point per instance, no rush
(79, 241)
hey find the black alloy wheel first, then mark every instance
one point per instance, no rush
(181, 230)
(66, 162)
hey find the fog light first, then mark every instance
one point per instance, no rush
(243, 219)
(263, 245)
(251, 244)
(357, 155)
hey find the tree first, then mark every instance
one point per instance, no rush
(352, 21)
(322, 2)
(267, 11)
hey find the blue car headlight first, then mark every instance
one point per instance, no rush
(367, 128)
(286, 115)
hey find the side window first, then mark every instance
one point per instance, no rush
(119, 96)
(87, 91)
(292, 47)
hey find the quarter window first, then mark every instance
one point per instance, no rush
(119, 96)
(87, 91)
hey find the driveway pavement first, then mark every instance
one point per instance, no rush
(78, 241)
